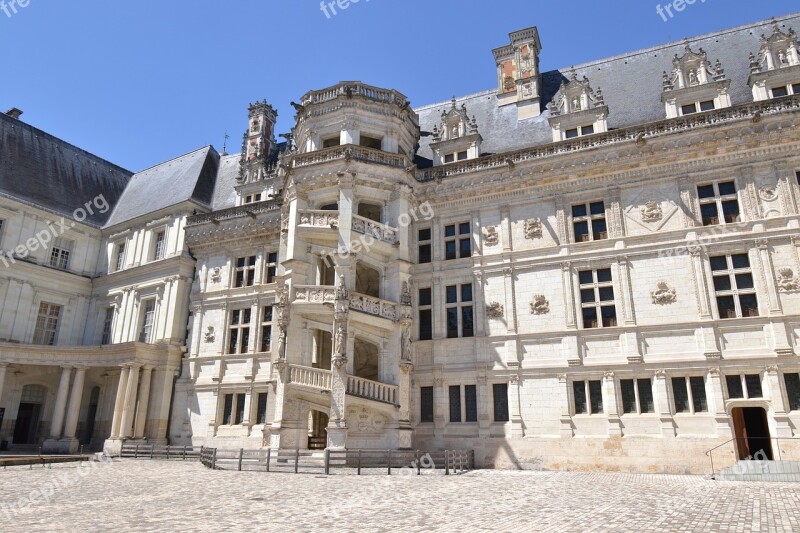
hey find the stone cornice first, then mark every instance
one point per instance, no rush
(92, 356)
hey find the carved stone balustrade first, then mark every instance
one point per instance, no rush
(314, 294)
(374, 229)
(374, 306)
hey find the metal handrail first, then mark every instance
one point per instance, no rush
(710, 453)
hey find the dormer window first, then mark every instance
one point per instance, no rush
(456, 138)
(775, 71)
(577, 110)
(695, 85)
(252, 198)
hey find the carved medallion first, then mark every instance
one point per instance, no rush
(533, 228)
(651, 212)
(664, 294)
(540, 305)
(494, 310)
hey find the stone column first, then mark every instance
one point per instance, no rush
(406, 431)
(57, 423)
(144, 398)
(74, 409)
(514, 386)
(165, 397)
(120, 402)
(3, 368)
(772, 382)
(128, 410)
(610, 405)
(661, 400)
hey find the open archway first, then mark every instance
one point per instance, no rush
(368, 280)
(366, 360)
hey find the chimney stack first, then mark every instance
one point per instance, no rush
(14, 113)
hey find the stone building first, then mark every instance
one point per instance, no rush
(590, 267)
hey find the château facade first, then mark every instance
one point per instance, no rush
(591, 267)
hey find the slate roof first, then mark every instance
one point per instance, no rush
(631, 84)
(40, 169)
(189, 177)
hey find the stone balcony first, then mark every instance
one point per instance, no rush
(314, 294)
(321, 380)
(374, 306)
(379, 231)
(350, 152)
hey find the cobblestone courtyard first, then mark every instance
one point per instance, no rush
(175, 496)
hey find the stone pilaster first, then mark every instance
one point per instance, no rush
(610, 404)
(129, 408)
(661, 400)
(144, 398)
(74, 408)
(716, 398)
(119, 404)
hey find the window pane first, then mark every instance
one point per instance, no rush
(705, 191)
(425, 253)
(585, 277)
(261, 412)
(726, 307)
(465, 248)
(604, 275)
(590, 318)
(599, 230)
(450, 250)
(744, 281)
(609, 313)
(681, 395)
(500, 391)
(471, 403)
(579, 388)
(452, 323)
(726, 188)
(466, 293)
(749, 305)
(467, 322)
(455, 403)
(688, 109)
(778, 92)
(793, 389)
(734, 384)
(719, 263)
(707, 105)
(239, 408)
(452, 294)
(722, 283)
(587, 296)
(587, 130)
(730, 209)
(645, 395)
(571, 134)
(227, 409)
(596, 396)
(449, 231)
(425, 296)
(578, 211)
(463, 228)
(425, 325)
(424, 235)
(606, 294)
(233, 341)
(699, 394)
(740, 261)
(581, 231)
(628, 396)
(597, 208)
(426, 404)
(753, 382)
(709, 214)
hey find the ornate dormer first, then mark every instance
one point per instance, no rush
(775, 72)
(457, 137)
(577, 110)
(695, 85)
(258, 143)
(518, 73)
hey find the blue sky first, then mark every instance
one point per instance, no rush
(140, 82)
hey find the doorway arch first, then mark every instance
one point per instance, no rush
(317, 430)
(751, 431)
(29, 414)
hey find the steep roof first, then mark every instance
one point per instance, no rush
(40, 169)
(631, 84)
(189, 177)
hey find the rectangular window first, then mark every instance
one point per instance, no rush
(245, 271)
(572, 133)
(426, 404)
(159, 246)
(587, 130)
(239, 409)
(460, 318)
(796, 88)
(778, 92)
(108, 320)
(719, 203)
(699, 401)
(637, 396)
(457, 241)
(424, 246)
(735, 389)
(753, 384)
(792, 382)
(424, 302)
(119, 262)
(272, 266)
(595, 396)
(59, 254)
(680, 394)
(148, 317)
(462, 155)
(455, 403)
(597, 298)
(689, 109)
(449, 158)
(266, 329)
(581, 405)
(47, 324)
(589, 222)
(588, 397)
(227, 410)
(370, 142)
(708, 105)
(261, 411)
(500, 393)
(733, 286)
(239, 331)
(471, 403)
(332, 141)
